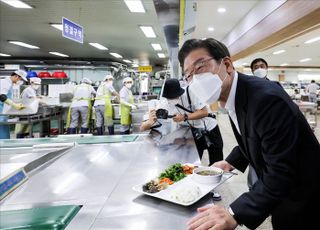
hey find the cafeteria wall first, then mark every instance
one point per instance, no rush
(94, 75)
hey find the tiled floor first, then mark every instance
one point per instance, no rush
(237, 184)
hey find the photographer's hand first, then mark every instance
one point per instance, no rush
(178, 118)
(152, 116)
(149, 123)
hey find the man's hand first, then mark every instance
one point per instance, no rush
(18, 106)
(212, 217)
(224, 165)
(178, 117)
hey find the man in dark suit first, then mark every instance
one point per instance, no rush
(273, 137)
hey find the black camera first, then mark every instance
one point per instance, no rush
(212, 115)
(163, 114)
(199, 133)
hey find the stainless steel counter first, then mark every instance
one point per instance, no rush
(100, 177)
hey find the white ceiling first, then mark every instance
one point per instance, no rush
(223, 23)
(236, 11)
(108, 22)
(296, 49)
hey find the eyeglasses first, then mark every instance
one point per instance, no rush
(196, 67)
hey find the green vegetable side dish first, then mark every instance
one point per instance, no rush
(173, 172)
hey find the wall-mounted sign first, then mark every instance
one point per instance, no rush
(145, 68)
(72, 30)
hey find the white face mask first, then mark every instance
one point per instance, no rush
(20, 82)
(207, 87)
(173, 101)
(35, 87)
(261, 73)
(129, 85)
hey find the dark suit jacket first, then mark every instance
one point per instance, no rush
(279, 143)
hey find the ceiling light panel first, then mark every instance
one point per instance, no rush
(279, 52)
(127, 61)
(116, 55)
(5, 55)
(24, 44)
(135, 6)
(313, 40)
(210, 29)
(161, 55)
(305, 60)
(148, 31)
(221, 10)
(59, 54)
(156, 46)
(17, 4)
(284, 64)
(57, 26)
(98, 46)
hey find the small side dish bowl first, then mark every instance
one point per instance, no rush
(207, 175)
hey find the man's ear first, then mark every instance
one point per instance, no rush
(229, 65)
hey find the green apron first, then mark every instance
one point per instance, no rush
(125, 118)
(21, 128)
(89, 109)
(108, 109)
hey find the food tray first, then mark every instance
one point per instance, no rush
(168, 194)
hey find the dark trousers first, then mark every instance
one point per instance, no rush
(215, 149)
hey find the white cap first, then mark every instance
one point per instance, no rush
(126, 79)
(108, 77)
(86, 80)
(23, 74)
(35, 80)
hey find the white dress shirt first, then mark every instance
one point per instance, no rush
(312, 88)
(230, 107)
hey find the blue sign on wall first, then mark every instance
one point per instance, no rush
(72, 30)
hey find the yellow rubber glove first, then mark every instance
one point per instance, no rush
(17, 106)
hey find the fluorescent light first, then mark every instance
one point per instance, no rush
(135, 65)
(312, 40)
(98, 46)
(245, 63)
(161, 55)
(59, 54)
(221, 10)
(127, 61)
(116, 55)
(305, 60)
(210, 29)
(284, 64)
(5, 55)
(17, 4)
(156, 46)
(135, 6)
(57, 26)
(279, 52)
(148, 31)
(24, 44)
